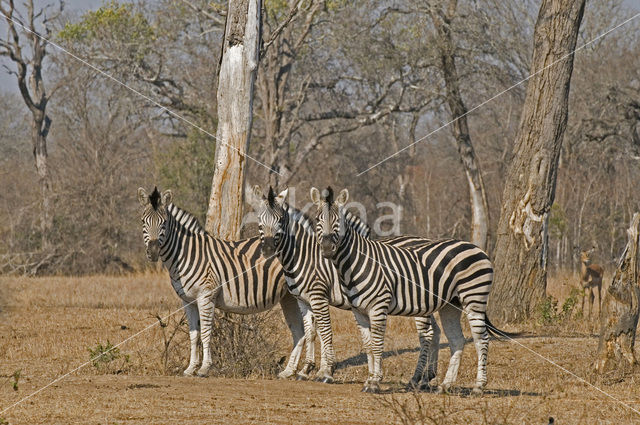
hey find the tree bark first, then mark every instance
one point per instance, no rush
(238, 66)
(520, 257)
(620, 310)
(479, 207)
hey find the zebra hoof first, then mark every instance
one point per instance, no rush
(326, 380)
(442, 389)
(285, 374)
(477, 391)
(371, 388)
(301, 377)
(204, 372)
(189, 372)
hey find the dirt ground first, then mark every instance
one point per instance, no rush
(47, 326)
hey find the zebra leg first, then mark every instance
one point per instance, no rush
(450, 318)
(320, 306)
(293, 317)
(365, 333)
(191, 311)
(481, 340)
(429, 336)
(310, 337)
(206, 307)
(378, 320)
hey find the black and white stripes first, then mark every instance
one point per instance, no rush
(379, 279)
(288, 233)
(207, 272)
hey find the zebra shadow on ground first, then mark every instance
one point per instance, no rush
(398, 387)
(361, 359)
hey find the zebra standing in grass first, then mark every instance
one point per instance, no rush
(207, 272)
(288, 233)
(448, 276)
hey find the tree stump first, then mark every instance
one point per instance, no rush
(620, 310)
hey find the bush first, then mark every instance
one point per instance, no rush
(108, 359)
(548, 313)
(241, 345)
(443, 410)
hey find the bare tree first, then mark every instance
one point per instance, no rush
(522, 244)
(442, 15)
(621, 310)
(148, 46)
(28, 52)
(238, 66)
(285, 33)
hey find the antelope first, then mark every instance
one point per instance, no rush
(590, 279)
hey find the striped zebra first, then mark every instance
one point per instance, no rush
(289, 234)
(448, 276)
(207, 272)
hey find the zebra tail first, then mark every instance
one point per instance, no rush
(500, 334)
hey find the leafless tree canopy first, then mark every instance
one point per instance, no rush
(340, 87)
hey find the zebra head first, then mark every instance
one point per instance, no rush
(154, 216)
(272, 220)
(330, 223)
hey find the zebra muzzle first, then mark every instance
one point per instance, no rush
(153, 250)
(268, 247)
(328, 247)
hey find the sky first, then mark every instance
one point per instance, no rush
(8, 83)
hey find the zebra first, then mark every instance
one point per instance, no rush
(207, 272)
(286, 232)
(448, 276)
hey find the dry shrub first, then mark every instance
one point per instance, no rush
(421, 409)
(560, 312)
(108, 359)
(244, 345)
(241, 346)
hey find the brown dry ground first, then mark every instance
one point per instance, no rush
(48, 324)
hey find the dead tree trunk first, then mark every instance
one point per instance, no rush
(620, 310)
(442, 18)
(521, 252)
(33, 93)
(238, 66)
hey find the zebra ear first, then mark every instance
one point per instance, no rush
(315, 196)
(257, 192)
(342, 198)
(166, 197)
(282, 196)
(143, 198)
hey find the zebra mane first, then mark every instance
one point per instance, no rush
(306, 222)
(154, 198)
(328, 195)
(357, 224)
(299, 217)
(271, 197)
(185, 220)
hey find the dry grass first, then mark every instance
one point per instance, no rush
(48, 325)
